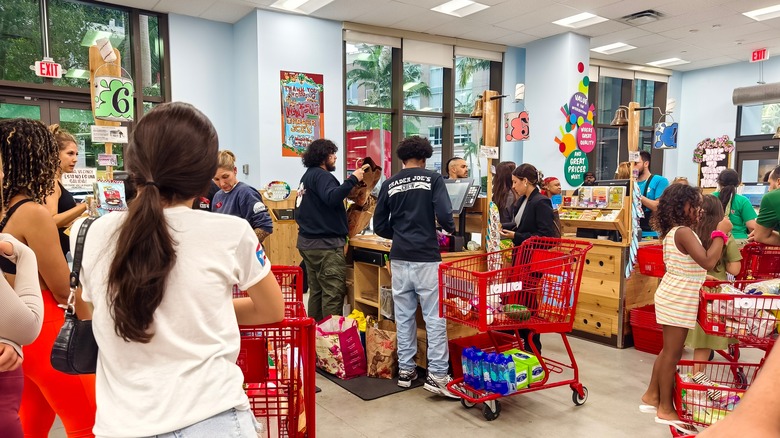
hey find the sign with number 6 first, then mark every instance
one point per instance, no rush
(114, 99)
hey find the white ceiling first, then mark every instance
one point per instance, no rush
(705, 32)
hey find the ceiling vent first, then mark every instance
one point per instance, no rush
(765, 93)
(640, 18)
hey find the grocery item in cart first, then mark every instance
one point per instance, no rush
(768, 287)
(529, 361)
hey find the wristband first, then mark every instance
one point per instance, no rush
(721, 234)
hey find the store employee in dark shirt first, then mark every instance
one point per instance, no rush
(409, 205)
(322, 228)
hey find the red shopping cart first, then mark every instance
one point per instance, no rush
(290, 279)
(532, 287)
(702, 404)
(278, 363)
(759, 261)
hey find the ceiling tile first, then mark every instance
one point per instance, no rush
(605, 28)
(620, 36)
(487, 33)
(227, 13)
(386, 13)
(544, 16)
(516, 39)
(422, 20)
(345, 10)
(717, 27)
(676, 22)
(506, 10)
(460, 27)
(626, 7)
(193, 8)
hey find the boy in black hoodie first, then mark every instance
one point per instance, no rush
(410, 203)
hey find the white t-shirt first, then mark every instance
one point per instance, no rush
(188, 371)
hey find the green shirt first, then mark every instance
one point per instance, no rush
(730, 254)
(741, 211)
(769, 213)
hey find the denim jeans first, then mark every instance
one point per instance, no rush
(229, 424)
(413, 282)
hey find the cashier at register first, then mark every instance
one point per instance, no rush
(457, 168)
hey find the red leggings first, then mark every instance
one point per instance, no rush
(48, 392)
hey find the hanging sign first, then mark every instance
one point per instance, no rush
(516, 126)
(575, 167)
(109, 134)
(48, 69)
(113, 98)
(665, 135)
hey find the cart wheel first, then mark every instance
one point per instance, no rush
(740, 379)
(490, 414)
(467, 404)
(575, 396)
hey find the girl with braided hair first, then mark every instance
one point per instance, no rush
(30, 158)
(61, 204)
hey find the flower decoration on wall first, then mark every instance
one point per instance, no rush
(723, 142)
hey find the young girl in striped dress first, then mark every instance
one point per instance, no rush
(677, 296)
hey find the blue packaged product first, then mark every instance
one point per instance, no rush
(488, 372)
(501, 384)
(466, 363)
(511, 374)
(476, 369)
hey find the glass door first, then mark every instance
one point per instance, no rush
(23, 107)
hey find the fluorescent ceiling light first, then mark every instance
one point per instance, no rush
(459, 8)
(668, 62)
(300, 6)
(613, 48)
(764, 13)
(77, 73)
(580, 20)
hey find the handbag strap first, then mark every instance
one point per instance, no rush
(77, 255)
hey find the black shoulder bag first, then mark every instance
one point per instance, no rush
(644, 222)
(75, 350)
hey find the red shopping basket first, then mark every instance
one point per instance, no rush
(278, 364)
(648, 334)
(759, 261)
(650, 259)
(704, 405)
(746, 317)
(533, 286)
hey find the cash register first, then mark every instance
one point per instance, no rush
(463, 193)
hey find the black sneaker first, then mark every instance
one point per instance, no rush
(405, 377)
(438, 385)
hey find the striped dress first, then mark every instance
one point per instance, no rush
(677, 297)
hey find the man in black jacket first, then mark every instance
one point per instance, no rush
(322, 228)
(409, 205)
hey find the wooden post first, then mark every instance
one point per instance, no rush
(489, 138)
(113, 69)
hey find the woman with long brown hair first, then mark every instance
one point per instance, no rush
(61, 204)
(30, 158)
(160, 277)
(503, 196)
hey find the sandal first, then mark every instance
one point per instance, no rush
(679, 425)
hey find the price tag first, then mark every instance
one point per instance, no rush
(634, 156)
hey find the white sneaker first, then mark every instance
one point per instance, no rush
(438, 385)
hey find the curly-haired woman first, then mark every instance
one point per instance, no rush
(61, 204)
(30, 158)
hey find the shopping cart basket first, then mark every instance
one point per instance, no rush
(278, 363)
(290, 279)
(759, 261)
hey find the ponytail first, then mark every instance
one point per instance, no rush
(529, 173)
(728, 180)
(172, 157)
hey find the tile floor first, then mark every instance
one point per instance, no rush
(615, 380)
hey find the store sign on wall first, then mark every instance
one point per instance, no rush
(302, 111)
(575, 168)
(714, 162)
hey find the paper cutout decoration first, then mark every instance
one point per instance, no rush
(665, 135)
(516, 126)
(277, 191)
(578, 115)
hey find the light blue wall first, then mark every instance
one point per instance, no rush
(514, 73)
(706, 109)
(303, 44)
(551, 78)
(231, 73)
(245, 94)
(673, 91)
(201, 69)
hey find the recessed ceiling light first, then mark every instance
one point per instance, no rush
(668, 62)
(613, 48)
(764, 13)
(460, 8)
(580, 20)
(300, 6)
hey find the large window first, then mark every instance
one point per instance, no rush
(615, 89)
(388, 99)
(759, 119)
(73, 27)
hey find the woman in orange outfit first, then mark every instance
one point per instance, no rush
(30, 161)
